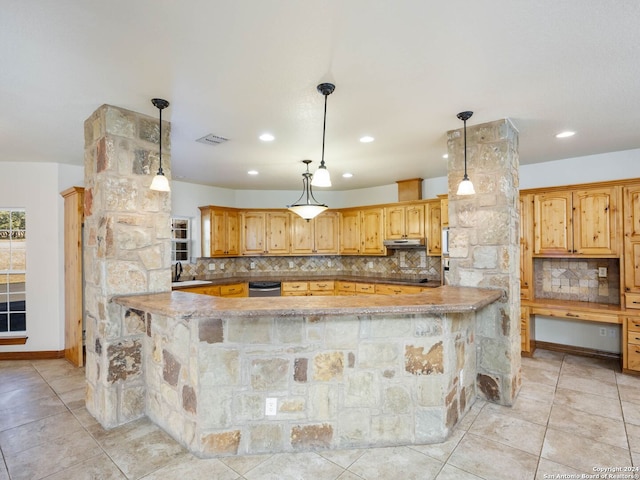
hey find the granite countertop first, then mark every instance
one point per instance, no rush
(446, 299)
(302, 277)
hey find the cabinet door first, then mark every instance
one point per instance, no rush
(414, 221)
(278, 233)
(594, 221)
(434, 228)
(326, 233)
(205, 231)
(371, 233)
(526, 234)
(394, 222)
(552, 223)
(350, 232)
(302, 233)
(232, 225)
(444, 214)
(632, 239)
(252, 233)
(218, 232)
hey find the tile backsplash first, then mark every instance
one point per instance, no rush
(400, 263)
(577, 279)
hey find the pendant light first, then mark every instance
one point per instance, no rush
(321, 178)
(160, 182)
(304, 206)
(465, 187)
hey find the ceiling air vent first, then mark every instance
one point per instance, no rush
(212, 139)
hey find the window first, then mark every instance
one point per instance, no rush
(180, 239)
(13, 268)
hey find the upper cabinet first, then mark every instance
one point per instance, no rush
(444, 214)
(264, 232)
(632, 245)
(577, 223)
(220, 231)
(316, 236)
(433, 221)
(404, 221)
(362, 231)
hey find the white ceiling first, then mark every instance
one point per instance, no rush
(403, 69)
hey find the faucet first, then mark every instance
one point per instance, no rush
(178, 272)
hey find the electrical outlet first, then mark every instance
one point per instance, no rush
(212, 266)
(222, 266)
(329, 263)
(602, 272)
(252, 265)
(291, 265)
(613, 332)
(271, 406)
(370, 265)
(603, 332)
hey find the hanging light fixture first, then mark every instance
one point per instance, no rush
(304, 206)
(321, 178)
(465, 187)
(160, 182)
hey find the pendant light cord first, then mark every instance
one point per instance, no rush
(324, 129)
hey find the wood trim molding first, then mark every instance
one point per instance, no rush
(581, 351)
(42, 355)
(13, 340)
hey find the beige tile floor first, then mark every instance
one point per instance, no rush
(572, 414)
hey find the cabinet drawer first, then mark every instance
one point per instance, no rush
(295, 286)
(396, 289)
(633, 324)
(326, 286)
(365, 288)
(233, 290)
(348, 287)
(212, 290)
(589, 316)
(632, 300)
(633, 357)
(303, 293)
(634, 339)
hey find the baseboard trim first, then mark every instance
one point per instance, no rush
(581, 351)
(13, 340)
(42, 355)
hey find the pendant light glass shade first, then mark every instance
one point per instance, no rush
(307, 206)
(322, 178)
(160, 183)
(465, 187)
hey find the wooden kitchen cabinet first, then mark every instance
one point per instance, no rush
(404, 221)
(321, 288)
(310, 288)
(264, 232)
(317, 236)
(350, 232)
(579, 222)
(372, 232)
(631, 202)
(525, 331)
(234, 290)
(213, 290)
(220, 231)
(631, 354)
(526, 244)
(433, 227)
(389, 289)
(365, 288)
(444, 214)
(345, 288)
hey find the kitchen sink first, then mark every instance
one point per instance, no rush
(189, 283)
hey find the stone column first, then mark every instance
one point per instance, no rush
(484, 248)
(127, 250)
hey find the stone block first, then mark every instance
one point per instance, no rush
(171, 368)
(430, 425)
(125, 278)
(428, 327)
(216, 407)
(390, 326)
(248, 407)
(218, 366)
(266, 438)
(211, 330)
(361, 389)
(120, 122)
(221, 443)
(378, 355)
(417, 362)
(342, 333)
(250, 330)
(289, 330)
(134, 322)
(189, 399)
(328, 366)
(132, 404)
(305, 437)
(354, 427)
(391, 429)
(152, 257)
(292, 406)
(430, 391)
(269, 374)
(485, 257)
(300, 366)
(323, 402)
(396, 400)
(489, 387)
(124, 360)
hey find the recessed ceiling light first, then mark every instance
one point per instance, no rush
(347, 175)
(446, 155)
(267, 137)
(252, 172)
(367, 139)
(565, 134)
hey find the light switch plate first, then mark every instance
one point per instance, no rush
(602, 272)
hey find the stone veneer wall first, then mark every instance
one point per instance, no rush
(340, 381)
(484, 246)
(127, 251)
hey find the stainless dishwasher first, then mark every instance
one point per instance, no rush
(264, 289)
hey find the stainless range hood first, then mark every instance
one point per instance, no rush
(406, 243)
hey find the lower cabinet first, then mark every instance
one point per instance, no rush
(204, 290)
(311, 288)
(633, 344)
(345, 288)
(382, 289)
(525, 331)
(231, 290)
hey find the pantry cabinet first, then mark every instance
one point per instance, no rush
(577, 223)
(219, 231)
